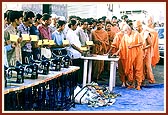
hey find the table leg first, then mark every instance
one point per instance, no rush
(111, 75)
(85, 72)
(89, 71)
(114, 73)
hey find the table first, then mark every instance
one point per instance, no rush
(41, 79)
(89, 68)
(54, 91)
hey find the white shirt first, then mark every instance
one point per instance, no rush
(73, 39)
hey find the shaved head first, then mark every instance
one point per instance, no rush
(126, 27)
(149, 20)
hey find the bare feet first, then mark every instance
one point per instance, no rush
(131, 86)
(151, 81)
(123, 84)
(138, 88)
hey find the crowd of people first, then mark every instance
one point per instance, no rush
(135, 42)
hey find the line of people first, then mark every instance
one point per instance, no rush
(135, 43)
(138, 50)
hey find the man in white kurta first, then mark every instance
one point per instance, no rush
(74, 50)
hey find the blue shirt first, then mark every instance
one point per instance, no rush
(58, 37)
(34, 30)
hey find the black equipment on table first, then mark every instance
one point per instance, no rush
(34, 68)
(31, 68)
(26, 55)
(19, 70)
(36, 53)
(66, 61)
(56, 63)
(43, 65)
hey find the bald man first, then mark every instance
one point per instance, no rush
(131, 50)
(147, 49)
(154, 34)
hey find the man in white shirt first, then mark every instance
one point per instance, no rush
(74, 50)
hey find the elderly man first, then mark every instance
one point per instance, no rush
(131, 50)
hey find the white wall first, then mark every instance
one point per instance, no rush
(11, 6)
(156, 9)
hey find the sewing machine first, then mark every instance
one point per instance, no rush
(43, 65)
(56, 63)
(19, 69)
(32, 69)
(66, 61)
